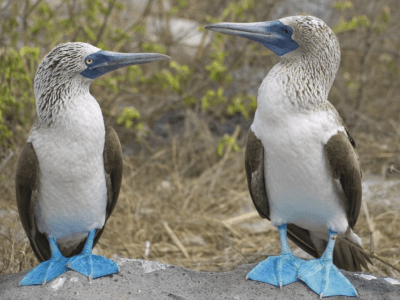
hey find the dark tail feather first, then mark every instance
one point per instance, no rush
(345, 256)
(349, 257)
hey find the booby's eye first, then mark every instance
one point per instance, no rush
(89, 61)
(286, 31)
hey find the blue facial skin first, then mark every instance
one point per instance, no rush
(274, 35)
(106, 61)
(282, 42)
(99, 58)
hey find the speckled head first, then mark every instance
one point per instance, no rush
(313, 36)
(60, 65)
(305, 44)
(68, 69)
(318, 50)
(80, 60)
(287, 37)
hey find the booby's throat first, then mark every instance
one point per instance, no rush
(297, 85)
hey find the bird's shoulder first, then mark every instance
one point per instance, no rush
(328, 106)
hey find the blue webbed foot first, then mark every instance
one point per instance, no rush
(90, 265)
(278, 270)
(47, 270)
(323, 277)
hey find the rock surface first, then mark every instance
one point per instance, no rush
(141, 279)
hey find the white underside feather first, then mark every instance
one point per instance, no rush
(300, 186)
(72, 192)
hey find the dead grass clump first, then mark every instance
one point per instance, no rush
(383, 204)
(172, 204)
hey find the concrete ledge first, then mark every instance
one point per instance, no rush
(141, 279)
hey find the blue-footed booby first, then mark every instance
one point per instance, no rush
(69, 172)
(302, 167)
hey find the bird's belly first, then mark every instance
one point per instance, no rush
(72, 191)
(300, 187)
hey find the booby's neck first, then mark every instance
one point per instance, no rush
(302, 82)
(53, 102)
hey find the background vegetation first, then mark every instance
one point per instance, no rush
(183, 123)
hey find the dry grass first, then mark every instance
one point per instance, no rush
(175, 199)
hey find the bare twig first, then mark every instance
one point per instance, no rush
(222, 162)
(230, 245)
(370, 227)
(367, 119)
(361, 70)
(103, 26)
(393, 169)
(200, 48)
(4, 162)
(229, 227)
(394, 125)
(12, 245)
(33, 7)
(25, 22)
(167, 36)
(241, 218)
(175, 239)
(145, 164)
(212, 172)
(146, 12)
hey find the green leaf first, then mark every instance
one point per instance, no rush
(147, 47)
(190, 100)
(224, 143)
(381, 23)
(129, 117)
(212, 99)
(16, 93)
(342, 5)
(355, 23)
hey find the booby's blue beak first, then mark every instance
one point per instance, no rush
(103, 62)
(274, 35)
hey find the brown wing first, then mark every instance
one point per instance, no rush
(254, 165)
(344, 164)
(113, 167)
(26, 181)
(343, 159)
